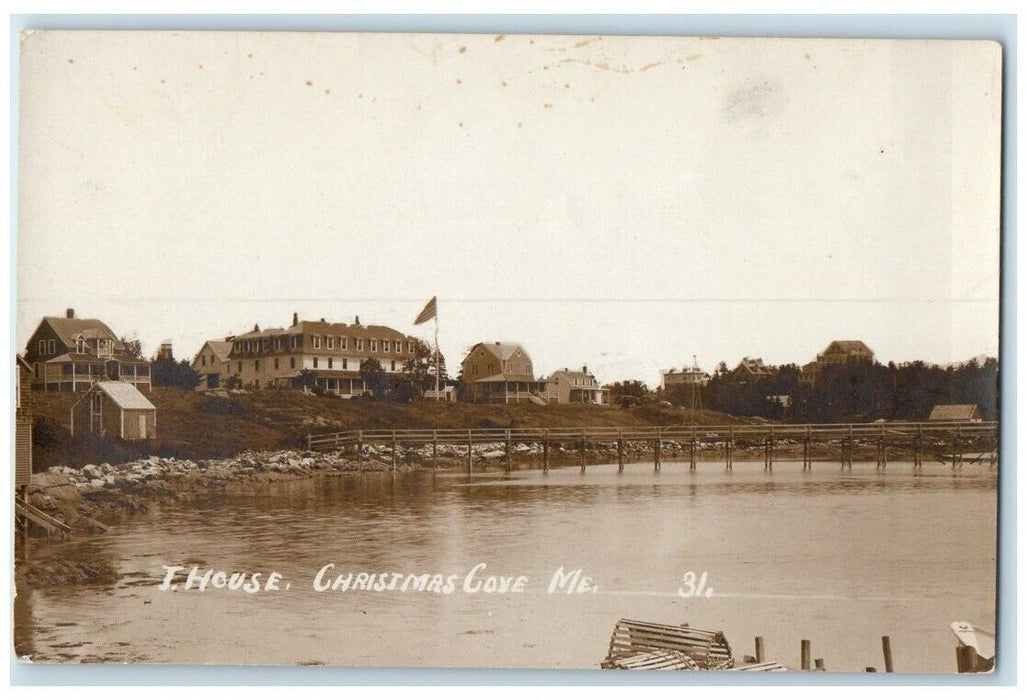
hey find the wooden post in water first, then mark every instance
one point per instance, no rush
(582, 448)
(435, 449)
(545, 451)
(805, 654)
(770, 450)
(393, 450)
(807, 453)
(470, 466)
(728, 444)
(760, 657)
(360, 447)
(509, 456)
(657, 447)
(691, 451)
(886, 647)
(965, 656)
(957, 449)
(620, 450)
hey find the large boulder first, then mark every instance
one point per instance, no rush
(47, 489)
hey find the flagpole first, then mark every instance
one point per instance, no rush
(436, 351)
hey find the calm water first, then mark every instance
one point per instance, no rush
(837, 558)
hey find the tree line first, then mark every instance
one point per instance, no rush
(849, 392)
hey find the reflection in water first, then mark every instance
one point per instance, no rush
(840, 558)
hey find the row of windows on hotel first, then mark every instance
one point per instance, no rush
(344, 364)
(294, 341)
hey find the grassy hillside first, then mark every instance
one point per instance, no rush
(198, 426)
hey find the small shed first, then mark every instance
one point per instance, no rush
(956, 413)
(115, 409)
(446, 393)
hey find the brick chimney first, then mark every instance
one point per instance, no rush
(295, 318)
(70, 313)
(584, 369)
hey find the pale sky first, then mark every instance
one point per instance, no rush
(620, 202)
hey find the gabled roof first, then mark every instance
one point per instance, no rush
(754, 365)
(955, 411)
(502, 350)
(67, 329)
(572, 374)
(125, 395)
(850, 346)
(220, 348)
(23, 362)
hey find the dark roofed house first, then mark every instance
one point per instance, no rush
(71, 354)
(838, 352)
(500, 372)
(751, 368)
(956, 413)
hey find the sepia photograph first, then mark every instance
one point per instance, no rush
(507, 351)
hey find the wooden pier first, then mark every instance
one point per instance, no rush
(944, 442)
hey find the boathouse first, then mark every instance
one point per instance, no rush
(114, 409)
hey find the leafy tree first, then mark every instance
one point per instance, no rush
(374, 377)
(420, 369)
(133, 348)
(164, 371)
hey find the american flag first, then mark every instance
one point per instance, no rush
(427, 313)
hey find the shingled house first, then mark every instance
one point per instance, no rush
(72, 354)
(500, 372)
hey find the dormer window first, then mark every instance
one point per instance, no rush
(80, 345)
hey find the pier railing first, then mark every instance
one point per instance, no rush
(817, 432)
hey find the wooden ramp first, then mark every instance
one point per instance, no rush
(49, 523)
(765, 666)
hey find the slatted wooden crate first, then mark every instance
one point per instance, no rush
(632, 638)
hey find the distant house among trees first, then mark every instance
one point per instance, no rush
(686, 376)
(838, 352)
(751, 368)
(953, 412)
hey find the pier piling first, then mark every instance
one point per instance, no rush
(760, 656)
(509, 455)
(545, 451)
(886, 647)
(582, 451)
(657, 447)
(620, 450)
(435, 449)
(805, 654)
(470, 465)
(394, 450)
